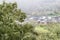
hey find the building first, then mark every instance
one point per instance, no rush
(44, 19)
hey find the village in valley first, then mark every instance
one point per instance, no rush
(44, 16)
(44, 19)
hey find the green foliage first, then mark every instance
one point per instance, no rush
(17, 32)
(9, 11)
(48, 32)
(9, 30)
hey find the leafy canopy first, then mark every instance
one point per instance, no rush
(10, 12)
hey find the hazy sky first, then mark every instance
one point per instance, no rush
(31, 4)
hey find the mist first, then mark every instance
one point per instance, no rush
(30, 6)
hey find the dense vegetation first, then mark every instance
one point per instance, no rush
(9, 30)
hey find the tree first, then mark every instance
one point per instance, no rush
(9, 12)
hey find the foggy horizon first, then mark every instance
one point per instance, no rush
(32, 5)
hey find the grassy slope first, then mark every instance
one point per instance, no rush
(48, 32)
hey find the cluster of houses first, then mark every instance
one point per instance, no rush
(44, 19)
